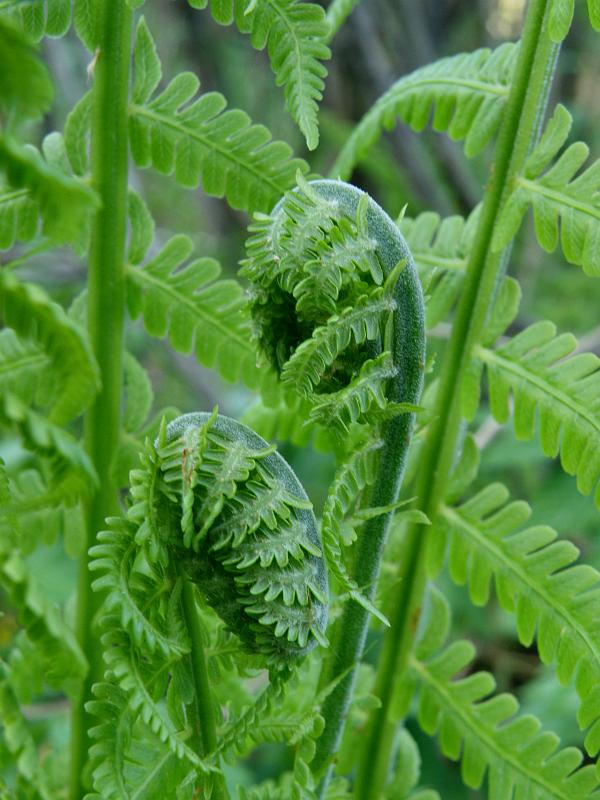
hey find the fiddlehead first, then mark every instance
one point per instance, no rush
(338, 311)
(215, 509)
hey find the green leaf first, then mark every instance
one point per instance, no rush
(25, 85)
(295, 35)
(198, 312)
(484, 732)
(440, 249)
(18, 216)
(39, 18)
(141, 228)
(538, 369)
(148, 70)
(557, 195)
(554, 599)
(65, 202)
(138, 393)
(87, 23)
(561, 17)
(77, 135)
(465, 93)
(201, 141)
(337, 13)
(29, 311)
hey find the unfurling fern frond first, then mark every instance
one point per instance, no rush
(464, 95)
(537, 367)
(201, 141)
(440, 249)
(554, 194)
(198, 312)
(484, 731)
(338, 311)
(553, 599)
(295, 34)
(213, 506)
(33, 316)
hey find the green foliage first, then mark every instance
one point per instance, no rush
(28, 310)
(545, 379)
(25, 87)
(484, 732)
(554, 600)
(64, 203)
(561, 17)
(181, 301)
(464, 94)
(201, 141)
(39, 18)
(294, 34)
(558, 195)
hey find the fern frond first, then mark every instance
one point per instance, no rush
(440, 248)
(19, 739)
(554, 599)
(77, 135)
(18, 216)
(25, 86)
(65, 202)
(203, 142)
(484, 732)
(138, 393)
(535, 367)
(134, 675)
(338, 12)
(295, 34)
(361, 323)
(70, 465)
(29, 311)
(557, 195)
(24, 369)
(198, 312)
(464, 94)
(561, 17)
(364, 397)
(39, 18)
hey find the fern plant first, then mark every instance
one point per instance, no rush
(216, 610)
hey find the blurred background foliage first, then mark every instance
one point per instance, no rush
(381, 40)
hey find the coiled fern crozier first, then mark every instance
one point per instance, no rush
(338, 310)
(213, 506)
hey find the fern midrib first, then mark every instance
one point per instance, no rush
(211, 145)
(560, 198)
(482, 733)
(141, 276)
(549, 599)
(298, 52)
(445, 263)
(543, 385)
(471, 85)
(33, 361)
(10, 197)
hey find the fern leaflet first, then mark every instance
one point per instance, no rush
(557, 195)
(561, 17)
(536, 368)
(466, 93)
(483, 731)
(201, 141)
(535, 578)
(196, 311)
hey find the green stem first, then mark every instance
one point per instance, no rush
(408, 352)
(521, 125)
(204, 699)
(106, 310)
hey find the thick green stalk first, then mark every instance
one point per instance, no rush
(525, 107)
(408, 351)
(206, 716)
(106, 310)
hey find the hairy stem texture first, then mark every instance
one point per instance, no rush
(106, 308)
(408, 352)
(525, 108)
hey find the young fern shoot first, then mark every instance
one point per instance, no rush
(215, 513)
(339, 312)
